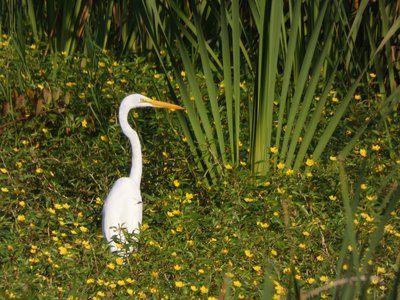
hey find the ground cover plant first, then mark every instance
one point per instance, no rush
(61, 149)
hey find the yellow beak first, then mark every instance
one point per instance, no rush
(161, 104)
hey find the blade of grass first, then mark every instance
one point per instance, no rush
(271, 18)
(350, 233)
(203, 158)
(211, 89)
(32, 19)
(236, 77)
(384, 109)
(334, 121)
(288, 67)
(192, 30)
(226, 63)
(314, 122)
(388, 46)
(302, 79)
(308, 98)
(201, 109)
(354, 30)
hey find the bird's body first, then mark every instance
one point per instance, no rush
(123, 207)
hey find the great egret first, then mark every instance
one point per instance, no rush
(123, 207)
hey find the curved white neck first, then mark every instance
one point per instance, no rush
(136, 169)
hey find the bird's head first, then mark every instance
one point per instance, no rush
(138, 101)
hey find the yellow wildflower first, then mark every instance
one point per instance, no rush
(310, 280)
(262, 224)
(257, 268)
(376, 147)
(363, 152)
(289, 172)
(70, 84)
(100, 294)
(121, 282)
(280, 190)
(248, 253)
(237, 283)
(228, 167)
(310, 162)
(21, 218)
(83, 229)
(273, 149)
(380, 270)
(62, 250)
(144, 226)
(324, 278)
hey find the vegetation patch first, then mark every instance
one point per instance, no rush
(61, 150)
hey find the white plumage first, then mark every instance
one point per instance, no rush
(123, 207)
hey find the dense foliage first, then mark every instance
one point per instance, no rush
(305, 92)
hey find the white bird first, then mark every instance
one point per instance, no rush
(123, 207)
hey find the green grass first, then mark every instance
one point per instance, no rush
(197, 241)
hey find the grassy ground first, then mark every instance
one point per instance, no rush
(197, 241)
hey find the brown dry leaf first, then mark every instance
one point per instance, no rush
(20, 102)
(6, 108)
(47, 95)
(67, 98)
(56, 94)
(30, 94)
(39, 106)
